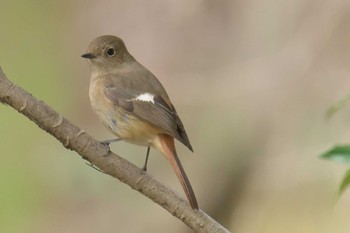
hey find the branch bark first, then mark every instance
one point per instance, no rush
(73, 138)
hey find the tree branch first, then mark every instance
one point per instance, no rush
(90, 149)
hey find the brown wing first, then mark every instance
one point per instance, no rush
(158, 113)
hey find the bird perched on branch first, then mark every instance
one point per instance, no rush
(134, 105)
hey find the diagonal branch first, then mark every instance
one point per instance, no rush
(90, 149)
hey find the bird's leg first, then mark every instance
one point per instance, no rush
(144, 168)
(107, 142)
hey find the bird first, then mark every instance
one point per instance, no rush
(133, 104)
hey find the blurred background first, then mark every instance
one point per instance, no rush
(251, 81)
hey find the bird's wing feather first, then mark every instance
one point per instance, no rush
(157, 110)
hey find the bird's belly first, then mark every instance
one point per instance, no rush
(126, 126)
(133, 130)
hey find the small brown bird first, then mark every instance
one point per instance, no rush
(134, 105)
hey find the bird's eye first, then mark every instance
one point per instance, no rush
(110, 52)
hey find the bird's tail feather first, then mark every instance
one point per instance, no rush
(168, 146)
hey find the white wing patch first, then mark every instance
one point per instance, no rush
(147, 97)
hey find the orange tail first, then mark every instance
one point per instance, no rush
(168, 148)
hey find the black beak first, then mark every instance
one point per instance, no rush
(88, 56)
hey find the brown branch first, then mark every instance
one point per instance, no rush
(90, 149)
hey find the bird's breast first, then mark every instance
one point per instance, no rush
(101, 105)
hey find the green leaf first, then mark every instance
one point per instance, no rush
(338, 153)
(345, 183)
(337, 106)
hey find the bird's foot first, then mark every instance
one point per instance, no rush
(143, 173)
(144, 169)
(106, 144)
